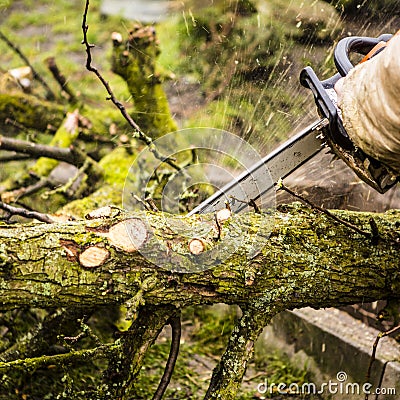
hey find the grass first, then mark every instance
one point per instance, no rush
(53, 28)
(206, 333)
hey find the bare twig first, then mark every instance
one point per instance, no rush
(374, 347)
(250, 203)
(142, 202)
(49, 93)
(17, 194)
(138, 133)
(218, 227)
(381, 378)
(86, 332)
(281, 186)
(175, 323)
(25, 213)
(60, 78)
(17, 125)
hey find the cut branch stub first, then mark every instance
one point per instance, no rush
(93, 257)
(197, 246)
(71, 248)
(223, 215)
(129, 235)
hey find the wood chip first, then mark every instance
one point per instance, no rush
(102, 212)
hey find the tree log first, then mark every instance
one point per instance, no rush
(265, 263)
(306, 260)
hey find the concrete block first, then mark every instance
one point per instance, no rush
(336, 348)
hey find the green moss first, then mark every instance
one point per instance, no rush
(116, 166)
(208, 330)
(106, 195)
(135, 61)
(29, 111)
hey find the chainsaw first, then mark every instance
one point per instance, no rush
(328, 131)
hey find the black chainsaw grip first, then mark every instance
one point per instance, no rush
(327, 109)
(354, 44)
(320, 89)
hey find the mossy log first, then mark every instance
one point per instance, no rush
(307, 260)
(303, 258)
(29, 111)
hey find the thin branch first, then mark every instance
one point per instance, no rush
(281, 186)
(217, 224)
(251, 203)
(60, 78)
(17, 125)
(142, 202)
(176, 326)
(138, 133)
(17, 194)
(25, 213)
(86, 332)
(49, 93)
(152, 204)
(374, 347)
(381, 377)
(70, 155)
(43, 335)
(14, 157)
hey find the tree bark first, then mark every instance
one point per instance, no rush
(306, 260)
(265, 263)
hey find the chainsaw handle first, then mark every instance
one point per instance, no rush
(354, 44)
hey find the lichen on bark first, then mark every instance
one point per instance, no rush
(307, 259)
(135, 60)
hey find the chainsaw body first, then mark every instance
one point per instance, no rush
(370, 170)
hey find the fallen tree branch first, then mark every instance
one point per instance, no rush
(303, 259)
(227, 376)
(25, 213)
(303, 248)
(60, 78)
(69, 155)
